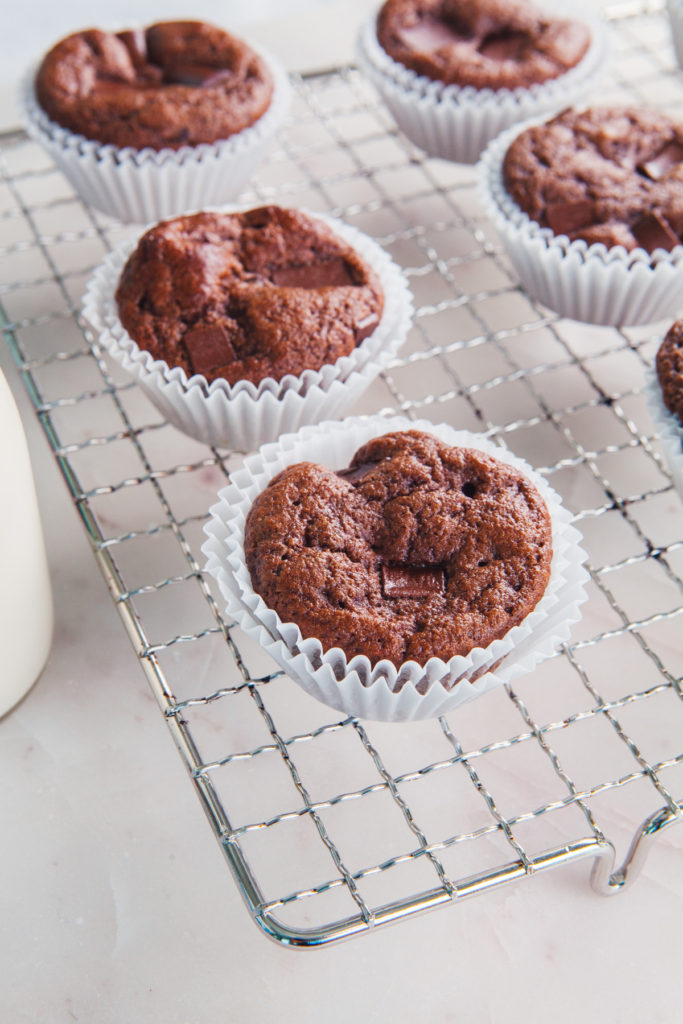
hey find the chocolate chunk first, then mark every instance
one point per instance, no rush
(338, 569)
(198, 75)
(593, 154)
(133, 116)
(429, 35)
(481, 43)
(564, 217)
(652, 232)
(213, 267)
(154, 36)
(411, 582)
(218, 76)
(325, 274)
(355, 473)
(107, 84)
(365, 327)
(663, 162)
(135, 42)
(147, 76)
(503, 45)
(150, 76)
(208, 347)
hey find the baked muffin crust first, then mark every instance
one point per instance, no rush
(492, 44)
(669, 365)
(245, 296)
(173, 84)
(418, 549)
(607, 174)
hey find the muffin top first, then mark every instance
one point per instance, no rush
(418, 549)
(494, 44)
(669, 365)
(176, 83)
(608, 174)
(245, 296)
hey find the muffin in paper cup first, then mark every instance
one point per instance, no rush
(383, 691)
(244, 415)
(667, 426)
(675, 11)
(457, 122)
(591, 283)
(142, 185)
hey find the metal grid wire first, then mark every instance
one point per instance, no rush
(331, 825)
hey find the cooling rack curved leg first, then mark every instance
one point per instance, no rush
(605, 879)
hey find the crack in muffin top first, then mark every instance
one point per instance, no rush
(173, 84)
(607, 174)
(417, 550)
(492, 44)
(245, 296)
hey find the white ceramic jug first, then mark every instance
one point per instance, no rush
(26, 614)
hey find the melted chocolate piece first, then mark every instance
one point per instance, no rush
(565, 217)
(208, 347)
(654, 232)
(355, 473)
(411, 582)
(105, 84)
(325, 274)
(209, 267)
(154, 37)
(429, 35)
(218, 76)
(663, 162)
(334, 562)
(365, 327)
(150, 75)
(135, 42)
(198, 75)
(503, 45)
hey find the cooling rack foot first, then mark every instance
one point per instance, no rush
(605, 879)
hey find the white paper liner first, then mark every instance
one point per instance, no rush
(355, 687)
(141, 185)
(243, 415)
(456, 122)
(675, 10)
(592, 283)
(667, 427)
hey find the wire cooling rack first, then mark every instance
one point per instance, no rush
(332, 825)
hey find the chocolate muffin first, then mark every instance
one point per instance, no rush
(418, 549)
(245, 296)
(173, 84)
(612, 175)
(669, 365)
(487, 44)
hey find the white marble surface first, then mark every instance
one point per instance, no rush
(117, 905)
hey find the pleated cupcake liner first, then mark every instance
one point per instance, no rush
(667, 426)
(142, 185)
(457, 122)
(243, 415)
(591, 283)
(383, 691)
